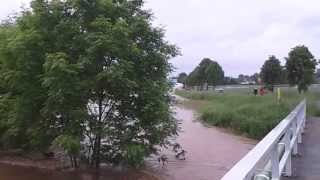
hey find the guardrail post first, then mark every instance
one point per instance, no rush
(299, 137)
(288, 167)
(294, 133)
(304, 116)
(275, 163)
(300, 123)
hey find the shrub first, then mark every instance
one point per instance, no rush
(135, 155)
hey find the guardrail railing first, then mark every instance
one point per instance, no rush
(271, 157)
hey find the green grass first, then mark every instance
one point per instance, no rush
(247, 114)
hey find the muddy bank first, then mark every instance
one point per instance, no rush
(8, 172)
(34, 166)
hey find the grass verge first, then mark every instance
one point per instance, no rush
(247, 114)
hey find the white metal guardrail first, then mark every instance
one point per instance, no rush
(271, 157)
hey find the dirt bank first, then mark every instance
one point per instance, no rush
(15, 166)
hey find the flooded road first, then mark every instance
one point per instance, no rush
(210, 153)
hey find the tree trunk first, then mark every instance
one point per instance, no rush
(95, 159)
(98, 145)
(71, 161)
(97, 142)
(75, 163)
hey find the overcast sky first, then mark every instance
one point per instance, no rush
(240, 35)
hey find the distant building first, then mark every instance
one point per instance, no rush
(248, 83)
(248, 80)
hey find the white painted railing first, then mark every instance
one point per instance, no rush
(271, 157)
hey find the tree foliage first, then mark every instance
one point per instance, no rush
(95, 71)
(301, 65)
(317, 75)
(71, 145)
(207, 72)
(284, 75)
(182, 77)
(271, 71)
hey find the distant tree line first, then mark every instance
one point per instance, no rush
(299, 71)
(210, 73)
(207, 73)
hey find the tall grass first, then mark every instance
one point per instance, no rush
(247, 114)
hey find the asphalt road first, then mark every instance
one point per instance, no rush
(306, 166)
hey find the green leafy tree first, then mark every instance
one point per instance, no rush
(284, 75)
(71, 145)
(300, 66)
(21, 60)
(271, 72)
(193, 78)
(207, 72)
(317, 75)
(83, 72)
(182, 78)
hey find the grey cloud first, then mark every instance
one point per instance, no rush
(240, 35)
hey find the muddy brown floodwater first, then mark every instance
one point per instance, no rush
(211, 152)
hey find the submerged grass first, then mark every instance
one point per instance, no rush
(247, 114)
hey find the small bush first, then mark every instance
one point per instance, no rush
(135, 155)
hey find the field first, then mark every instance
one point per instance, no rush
(244, 113)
